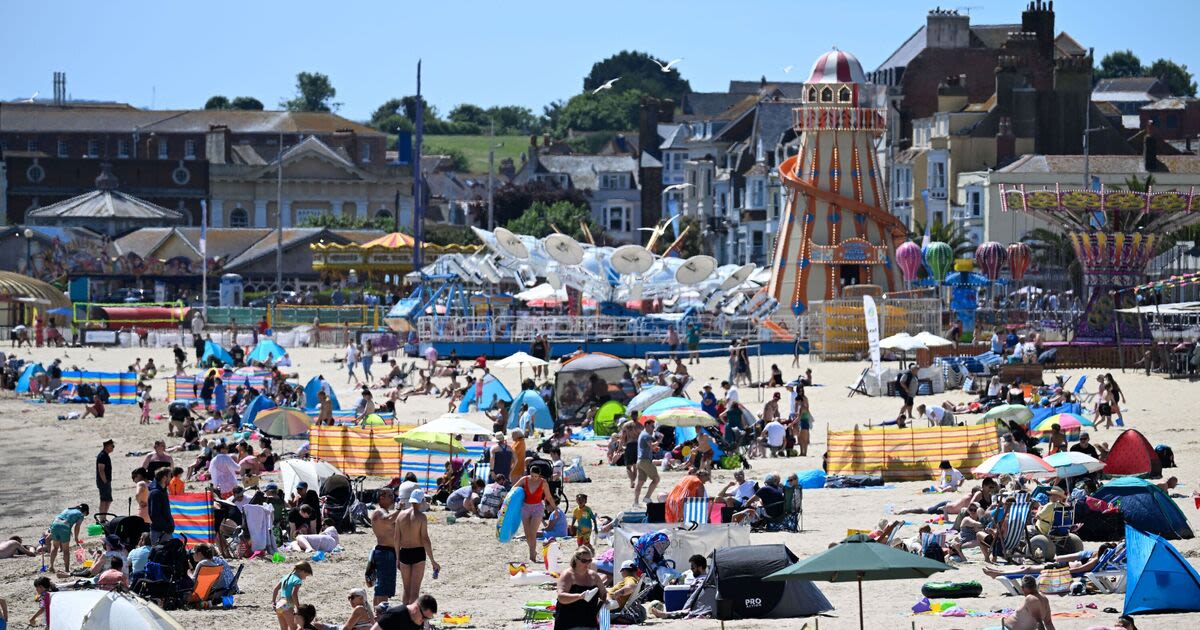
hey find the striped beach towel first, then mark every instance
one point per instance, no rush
(695, 510)
(482, 470)
(193, 515)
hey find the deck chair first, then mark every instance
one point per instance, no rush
(483, 470)
(792, 518)
(1015, 521)
(634, 610)
(206, 581)
(1079, 395)
(1110, 573)
(695, 510)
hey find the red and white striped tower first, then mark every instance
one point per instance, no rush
(834, 229)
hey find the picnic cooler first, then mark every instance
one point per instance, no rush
(675, 596)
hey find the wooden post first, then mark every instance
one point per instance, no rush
(1117, 320)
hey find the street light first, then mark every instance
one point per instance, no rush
(28, 234)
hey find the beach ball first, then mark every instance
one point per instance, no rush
(908, 256)
(939, 257)
(990, 257)
(1019, 257)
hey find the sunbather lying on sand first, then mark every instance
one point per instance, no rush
(1081, 562)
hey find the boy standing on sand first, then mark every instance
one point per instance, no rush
(413, 546)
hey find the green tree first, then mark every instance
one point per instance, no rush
(511, 119)
(444, 234)
(457, 157)
(953, 235)
(638, 71)
(217, 102)
(468, 113)
(1120, 63)
(606, 111)
(342, 222)
(408, 106)
(248, 103)
(1052, 250)
(511, 202)
(564, 215)
(1175, 75)
(314, 93)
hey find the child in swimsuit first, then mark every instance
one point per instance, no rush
(287, 596)
(583, 519)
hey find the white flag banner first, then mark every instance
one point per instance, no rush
(872, 316)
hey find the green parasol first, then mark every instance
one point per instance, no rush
(424, 440)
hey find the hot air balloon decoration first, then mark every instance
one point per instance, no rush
(908, 257)
(938, 258)
(1019, 257)
(990, 257)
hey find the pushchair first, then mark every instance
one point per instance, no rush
(167, 580)
(338, 501)
(649, 551)
(128, 529)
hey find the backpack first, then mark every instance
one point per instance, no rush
(933, 551)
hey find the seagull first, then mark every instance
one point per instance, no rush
(33, 98)
(607, 85)
(788, 69)
(666, 67)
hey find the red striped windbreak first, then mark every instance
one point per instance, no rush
(193, 515)
(910, 454)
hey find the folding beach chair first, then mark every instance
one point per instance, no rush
(206, 580)
(1110, 573)
(1079, 395)
(1015, 521)
(482, 471)
(695, 510)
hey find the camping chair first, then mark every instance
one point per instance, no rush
(206, 580)
(483, 470)
(1015, 521)
(696, 510)
(792, 518)
(634, 610)
(1110, 573)
(1079, 395)
(232, 589)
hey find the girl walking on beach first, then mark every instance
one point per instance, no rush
(146, 404)
(286, 596)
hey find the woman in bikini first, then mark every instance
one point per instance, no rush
(537, 498)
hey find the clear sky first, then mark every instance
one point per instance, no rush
(170, 54)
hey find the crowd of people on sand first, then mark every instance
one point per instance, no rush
(206, 446)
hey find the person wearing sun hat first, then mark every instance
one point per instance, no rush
(1045, 516)
(624, 588)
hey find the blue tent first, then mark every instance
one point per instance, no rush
(212, 350)
(27, 373)
(1158, 579)
(1146, 507)
(260, 403)
(493, 390)
(266, 350)
(310, 394)
(541, 413)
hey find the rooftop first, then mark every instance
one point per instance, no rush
(1102, 164)
(40, 118)
(584, 170)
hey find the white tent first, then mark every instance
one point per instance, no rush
(310, 471)
(465, 424)
(542, 292)
(901, 341)
(931, 340)
(102, 610)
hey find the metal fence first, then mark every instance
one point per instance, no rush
(837, 329)
(520, 328)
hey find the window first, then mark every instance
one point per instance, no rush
(304, 214)
(122, 148)
(32, 145)
(383, 213)
(758, 190)
(614, 181)
(62, 148)
(366, 152)
(162, 149)
(618, 218)
(93, 148)
(904, 183)
(827, 95)
(189, 149)
(937, 175)
(975, 202)
(678, 162)
(239, 218)
(844, 95)
(558, 179)
(812, 94)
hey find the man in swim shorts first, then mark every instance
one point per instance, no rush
(381, 568)
(414, 546)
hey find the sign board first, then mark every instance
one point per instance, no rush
(852, 251)
(107, 337)
(871, 314)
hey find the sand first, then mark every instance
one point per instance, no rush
(47, 466)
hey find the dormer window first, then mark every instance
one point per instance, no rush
(812, 95)
(844, 95)
(827, 95)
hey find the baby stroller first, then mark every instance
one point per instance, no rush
(338, 502)
(167, 581)
(648, 553)
(128, 529)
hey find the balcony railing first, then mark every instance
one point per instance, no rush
(839, 119)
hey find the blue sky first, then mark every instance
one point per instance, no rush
(176, 54)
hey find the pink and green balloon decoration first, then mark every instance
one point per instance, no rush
(939, 258)
(990, 257)
(1019, 257)
(908, 257)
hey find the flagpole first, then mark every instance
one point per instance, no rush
(204, 258)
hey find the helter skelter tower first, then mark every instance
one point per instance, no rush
(834, 230)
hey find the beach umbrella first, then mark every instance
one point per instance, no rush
(685, 417)
(519, 361)
(311, 471)
(426, 441)
(1014, 413)
(1065, 421)
(90, 609)
(1019, 256)
(931, 340)
(990, 257)
(901, 341)
(1074, 464)
(458, 424)
(647, 397)
(283, 422)
(1013, 464)
(908, 257)
(62, 310)
(939, 257)
(858, 559)
(666, 404)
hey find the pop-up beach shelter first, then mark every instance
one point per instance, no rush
(261, 402)
(541, 413)
(212, 350)
(1146, 507)
(1132, 454)
(493, 390)
(266, 351)
(1158, 579)
(310, 394)
(27, 373)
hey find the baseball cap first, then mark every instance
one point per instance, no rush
(417, 496)
(628, 564)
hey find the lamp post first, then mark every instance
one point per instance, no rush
(28, 234)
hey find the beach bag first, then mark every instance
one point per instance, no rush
(933, 550)
(575, 472)
(1055, 581)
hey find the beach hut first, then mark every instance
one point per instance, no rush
(311, 388)
(487, 392)
(27, 373)
(1146, 507)
(1132, 454)
(266, 351)
(214, 351)
(1158, 579)
(541, 413)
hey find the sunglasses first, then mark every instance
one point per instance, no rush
(586, 560)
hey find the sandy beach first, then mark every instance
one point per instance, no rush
(47, 466)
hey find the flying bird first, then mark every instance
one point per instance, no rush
(666, 67)
(33, 98)
(607, 85)
(788, 69)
